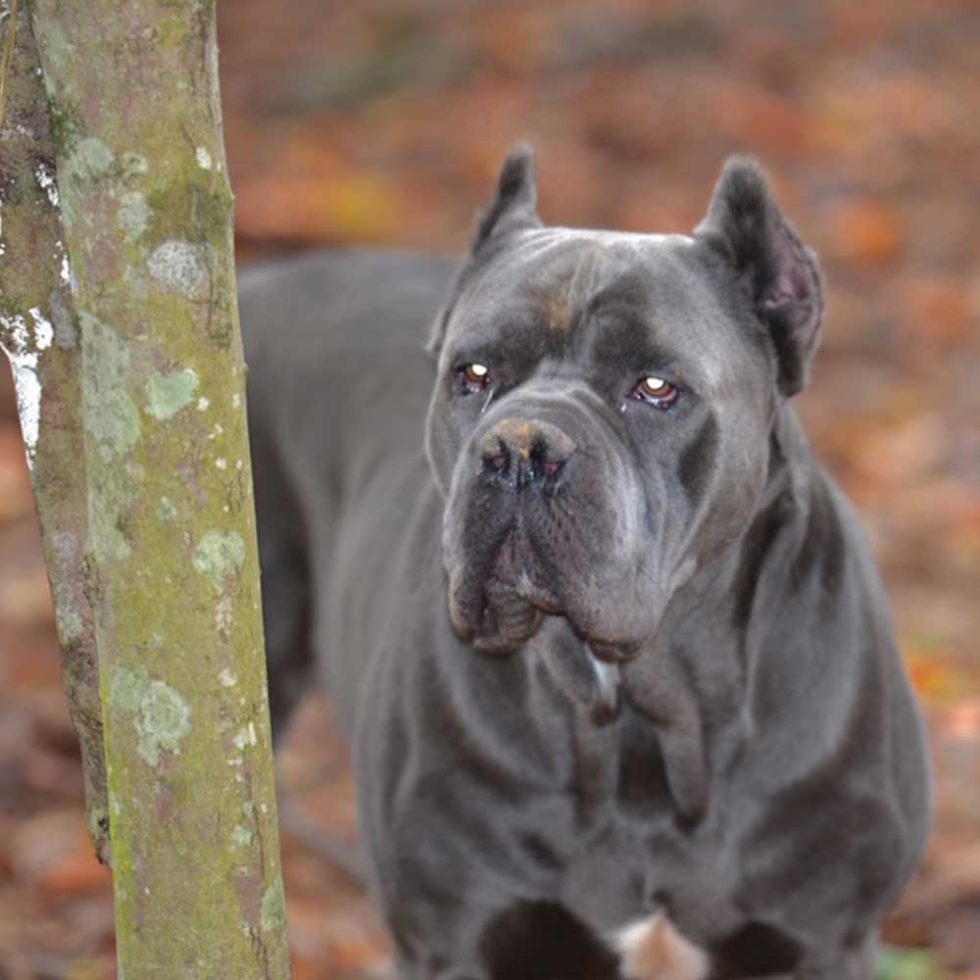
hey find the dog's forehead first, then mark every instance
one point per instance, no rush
(561, 277)
(585, 261)
(565, 269)
(619, 244)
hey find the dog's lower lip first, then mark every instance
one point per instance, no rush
(521, 585)
(611, 652)
(539, 598)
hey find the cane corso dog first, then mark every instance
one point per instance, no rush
(608, 642)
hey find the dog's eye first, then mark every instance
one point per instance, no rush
(655, 391)
(474, 377)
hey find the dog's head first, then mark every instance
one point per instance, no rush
(600, 422)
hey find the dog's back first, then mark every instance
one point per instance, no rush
(338, 381)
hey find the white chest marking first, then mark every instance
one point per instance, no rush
(652, 949)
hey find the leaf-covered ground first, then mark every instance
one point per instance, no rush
(384, 121)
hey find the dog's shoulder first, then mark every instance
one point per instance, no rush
(321, 303)
(337, 339)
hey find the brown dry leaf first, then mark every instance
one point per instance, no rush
(770, 123)
(963, 722)
(337, 937)
(43, 842)
(936, 310)
(933, 677)
(866, 232)
(77, 873)
(91, 969)
(25, 599)
(515, 38)
(16, 499)
(358, 207)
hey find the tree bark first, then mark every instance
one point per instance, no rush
(38, 330)
(170, 554)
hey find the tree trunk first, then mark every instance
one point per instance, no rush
(38, 330)
(171, 559)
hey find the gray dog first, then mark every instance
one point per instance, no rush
(608, 643)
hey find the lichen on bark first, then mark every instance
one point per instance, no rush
(169, 546)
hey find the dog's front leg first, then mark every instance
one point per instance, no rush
(458, 910)
(470, 828)
(461, 888)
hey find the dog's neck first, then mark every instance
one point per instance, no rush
(695, 683)
(784, 500)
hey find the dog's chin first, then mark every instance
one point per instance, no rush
(502, 616)
(498, 618)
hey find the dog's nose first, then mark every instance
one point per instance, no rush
(524, 453)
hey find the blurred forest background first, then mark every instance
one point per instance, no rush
(384, 121)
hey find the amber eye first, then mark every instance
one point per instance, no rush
(475, 377)
(655, 391)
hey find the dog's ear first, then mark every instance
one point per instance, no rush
(781, 274)
(514, 206)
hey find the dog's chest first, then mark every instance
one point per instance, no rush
(637, 855)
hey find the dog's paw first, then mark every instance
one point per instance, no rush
(652, 949)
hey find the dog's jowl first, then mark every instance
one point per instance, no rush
(608, 642)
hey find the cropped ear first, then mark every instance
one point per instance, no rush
(780, 273)
(514, 206)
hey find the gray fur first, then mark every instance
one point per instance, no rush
(648, 665)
